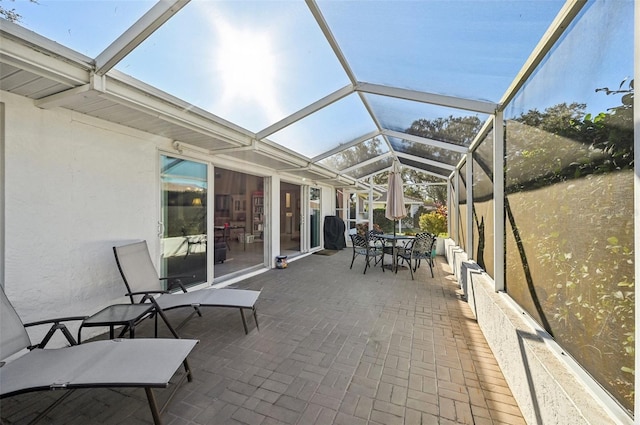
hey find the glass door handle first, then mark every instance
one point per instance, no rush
(160, 229)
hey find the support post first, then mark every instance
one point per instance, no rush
(498, 202)
(456, 206)
(469, 217)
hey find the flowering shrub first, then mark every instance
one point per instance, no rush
(435, 222)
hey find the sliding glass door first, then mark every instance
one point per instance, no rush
(290, 218)
(239, 217)
(184, 219)
(314, 220)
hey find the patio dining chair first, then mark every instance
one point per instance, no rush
(144, 285)
(369, 248)
(142, 363)
(417, 249)
(223, 235)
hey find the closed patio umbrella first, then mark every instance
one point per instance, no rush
(395, 196)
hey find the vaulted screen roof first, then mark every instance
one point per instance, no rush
(329, 90)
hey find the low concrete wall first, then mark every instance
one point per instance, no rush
(548, 385)
(440, 244)
(455, 257)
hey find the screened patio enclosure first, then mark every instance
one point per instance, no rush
(524, 109)
(329, 90)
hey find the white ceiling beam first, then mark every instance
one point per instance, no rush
(345, 146)
(327, 169)
(37, 43)
(295, 169)
(431, 173)
(47, 60)
(367, 162)
(306, 111)
(561, 22)
(324, 27)
(340, 181)
(155, 17)
(362, 180)
(378, 125)
(426, 161)
(429, 184)
(312, 168)
(189, 118)
(123, 80)
(328, 172)
(431, 98)
(223, 151)
(484, 130)
(66, 97)
(382, 170)
(71, 96)
(281, 153)
(425, 141)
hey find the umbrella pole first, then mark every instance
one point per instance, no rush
(395, 257)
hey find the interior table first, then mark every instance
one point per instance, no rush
(225, 233)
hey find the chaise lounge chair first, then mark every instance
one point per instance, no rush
(143, 363)
(143, 283)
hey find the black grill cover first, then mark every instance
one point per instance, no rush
(334, 229)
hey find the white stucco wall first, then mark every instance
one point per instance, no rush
(74, 187)
(549, 387)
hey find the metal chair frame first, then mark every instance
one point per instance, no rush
(418, 249)
(368, 247)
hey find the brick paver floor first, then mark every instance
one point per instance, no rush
(335, 346)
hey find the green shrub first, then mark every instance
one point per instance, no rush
(433, 222)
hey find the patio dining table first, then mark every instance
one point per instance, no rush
(394, 238)
(221, 233)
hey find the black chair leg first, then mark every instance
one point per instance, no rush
(244, 322)
(255, 317)
(153, 406)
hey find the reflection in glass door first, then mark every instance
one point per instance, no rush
(314, 212)
(239, 213)
(290, 218)
(184, 219)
